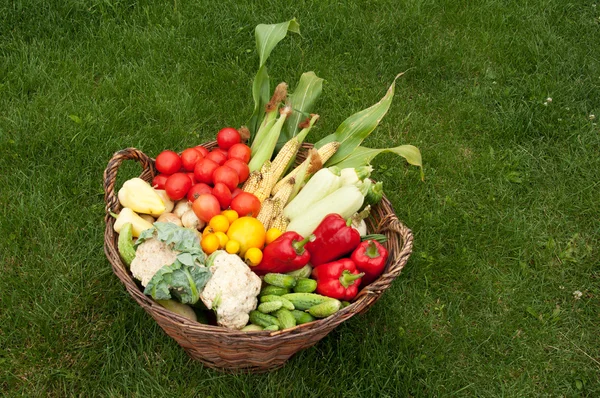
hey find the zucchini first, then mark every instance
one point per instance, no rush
(302, 317)
(287, 304)
(280, 280)
(264, 320)
(274, 290)
(305, 285)
(325, 309)
(270, 306)
(303, 272)
(125, 243)
(286, 319)
(303, 301)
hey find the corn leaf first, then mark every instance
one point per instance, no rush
(357, 127)
(267, 37)
(302, 102)
(362, 156)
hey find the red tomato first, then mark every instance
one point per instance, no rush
(168, 162)
(236, 192)
(223, 194)
(246, 204)
(204, 170)
(227, 176)
(190, 157)
(223, 151)
(227, 137)
(217, 157)
(178, 185)
(240, 151)
(206, 206)
(158, 181)
(240, 168)
(202, 150)
(197, 190)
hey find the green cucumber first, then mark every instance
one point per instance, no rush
(303, 301)
(325, 309)
(303, 272)
(305, 285)
(287, 304)
(125, 243)
(270, 306)
(251, 328)
(286, 319)
(264, 320)
(274, 290)
(302, 317)
(280, 280)
(272, 328)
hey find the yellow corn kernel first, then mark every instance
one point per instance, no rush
(283, 158)
(266, 213)
(251, 184)
(264, 188)
(286, 191)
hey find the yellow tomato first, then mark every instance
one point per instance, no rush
(272, 234)
(253, 256)
(249, 232)
(210, 243)
(219, 223)
(222, 239)
(231, 215)
(232, 246)
(208, 230)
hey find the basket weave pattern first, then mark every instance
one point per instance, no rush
(231, 350)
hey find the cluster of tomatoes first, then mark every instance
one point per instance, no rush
(209, 179)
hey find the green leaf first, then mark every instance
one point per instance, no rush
(179, 281)
(362, 156)
(357, 127)
(302, 102)
(267, 37)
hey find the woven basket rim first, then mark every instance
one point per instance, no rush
(383, 220)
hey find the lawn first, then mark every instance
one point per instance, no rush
(501, 295)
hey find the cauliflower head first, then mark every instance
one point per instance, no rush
(151, 256)
(231, 291)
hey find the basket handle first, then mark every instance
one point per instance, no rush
(110, 174)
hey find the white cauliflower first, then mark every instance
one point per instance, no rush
(231, 291)
(151, 256)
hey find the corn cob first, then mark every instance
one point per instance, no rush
(265, 215)
(287, 152)
(286, 191)
(279, 220)
(315, 160)
(251, 184)
(264, 188)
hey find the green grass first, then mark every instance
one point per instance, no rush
(506, 223)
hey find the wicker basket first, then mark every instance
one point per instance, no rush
(231, 350)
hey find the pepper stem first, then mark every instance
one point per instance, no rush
(347, 278)
(299, 244)
(372, 251)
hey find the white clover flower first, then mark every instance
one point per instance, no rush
(577, 294)
(592, 117)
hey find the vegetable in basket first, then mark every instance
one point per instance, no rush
(231, 291)
(284, 254)
(140, 197)
(334, 238)
(129, 216)
(339, 279)
(370, 257)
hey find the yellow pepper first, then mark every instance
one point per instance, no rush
(129, 216)
(140, 197)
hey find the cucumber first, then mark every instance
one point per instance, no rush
(125, 243)
(325, 309)
(264, 320)
(305, 285)
(274, 290)
(303, 301)
(286, 319)
(345, 304)
(270, 306)
(303, 272)
(272, 328)
(302, 317)
(280, 280)
(287, 304)
(251, 328)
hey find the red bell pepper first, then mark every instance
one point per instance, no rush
(334, 238)
(370, 257)
(339, 279)
(284, 254)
